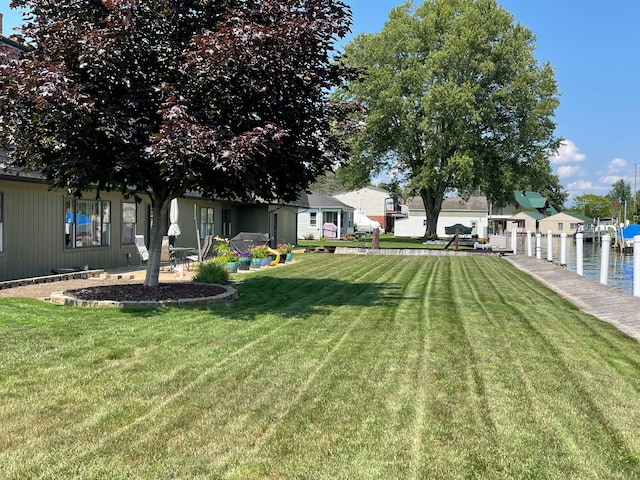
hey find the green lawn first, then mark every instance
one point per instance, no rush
(335, 367)
(386, 241)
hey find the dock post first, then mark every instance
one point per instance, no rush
(580, 254)
(538, 246)
(636, 265)
(529, 243)
(604, 263)
(514, 240)
(563, 249)
(550, 245)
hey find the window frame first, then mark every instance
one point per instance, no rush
(313, 219)
(207, 221)
(126, 227)
(95, 232)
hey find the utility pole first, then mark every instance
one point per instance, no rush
(635, 187)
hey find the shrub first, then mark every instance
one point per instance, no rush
(212, 271)
(309, 236)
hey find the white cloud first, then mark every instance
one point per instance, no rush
(568, 153)
(579, 186)
(617, 165)
(568, 171)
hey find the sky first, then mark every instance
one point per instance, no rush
(594, 49)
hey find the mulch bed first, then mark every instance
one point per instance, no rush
(140, 293)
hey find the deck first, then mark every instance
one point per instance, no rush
(603, 302)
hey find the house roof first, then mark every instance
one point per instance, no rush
(530, 213)
(320, 200)
(529, 199)
(577, 216)
(478, 203)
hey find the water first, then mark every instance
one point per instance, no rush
(620, 266)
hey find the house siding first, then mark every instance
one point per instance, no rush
(34, 234)
(371, 201)
(34, 229)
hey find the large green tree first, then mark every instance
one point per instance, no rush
(591, 205)
(621, 199)
(225, 97)
(456, 102)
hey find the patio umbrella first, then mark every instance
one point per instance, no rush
(174, 228)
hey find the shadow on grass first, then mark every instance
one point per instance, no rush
(295, 297)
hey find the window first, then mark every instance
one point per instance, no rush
(1, 222)
(560, 226)
(206, 221)
(87, 223)
(313, 219)
(226, 223)
(129, 218)
(330, 217)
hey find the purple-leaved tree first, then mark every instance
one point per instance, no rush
(226, 97)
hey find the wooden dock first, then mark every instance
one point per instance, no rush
(606, 303)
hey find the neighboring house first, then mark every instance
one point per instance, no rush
(524, 222)
(455, 210)
(564, 222)
(317, 211)
(375, 203)
(502, 218)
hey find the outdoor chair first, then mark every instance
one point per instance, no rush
(142, 249)
(206, 246)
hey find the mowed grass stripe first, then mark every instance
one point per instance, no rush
(565, 358)
(333, 367)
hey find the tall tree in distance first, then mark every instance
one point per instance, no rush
(229, 98)
(456, 102)
(621, 199)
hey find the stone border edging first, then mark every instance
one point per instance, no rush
(230, 294)
(57, 277)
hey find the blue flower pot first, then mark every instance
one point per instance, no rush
(256, 262)
(232, 266)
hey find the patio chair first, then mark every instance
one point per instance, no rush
(142, 249)
(206, 247)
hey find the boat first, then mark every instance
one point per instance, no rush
(625, 236)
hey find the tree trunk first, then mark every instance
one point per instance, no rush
(159, 206)
(432, 206)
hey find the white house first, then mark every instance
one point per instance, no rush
(455, 210)
(323, 216)
(372, 201)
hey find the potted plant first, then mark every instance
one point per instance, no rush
(244, 259)
(259, 253)
(285, 252)
(230, 259)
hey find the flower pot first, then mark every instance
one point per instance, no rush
(283, 258)
(232, 267)
(256, 262)
(289, 256)
(245, 263)
(266, 261)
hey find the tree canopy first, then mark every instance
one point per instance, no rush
(456, 102)
(592, 205)
(229, 98)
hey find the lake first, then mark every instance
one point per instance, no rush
(620, 266)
